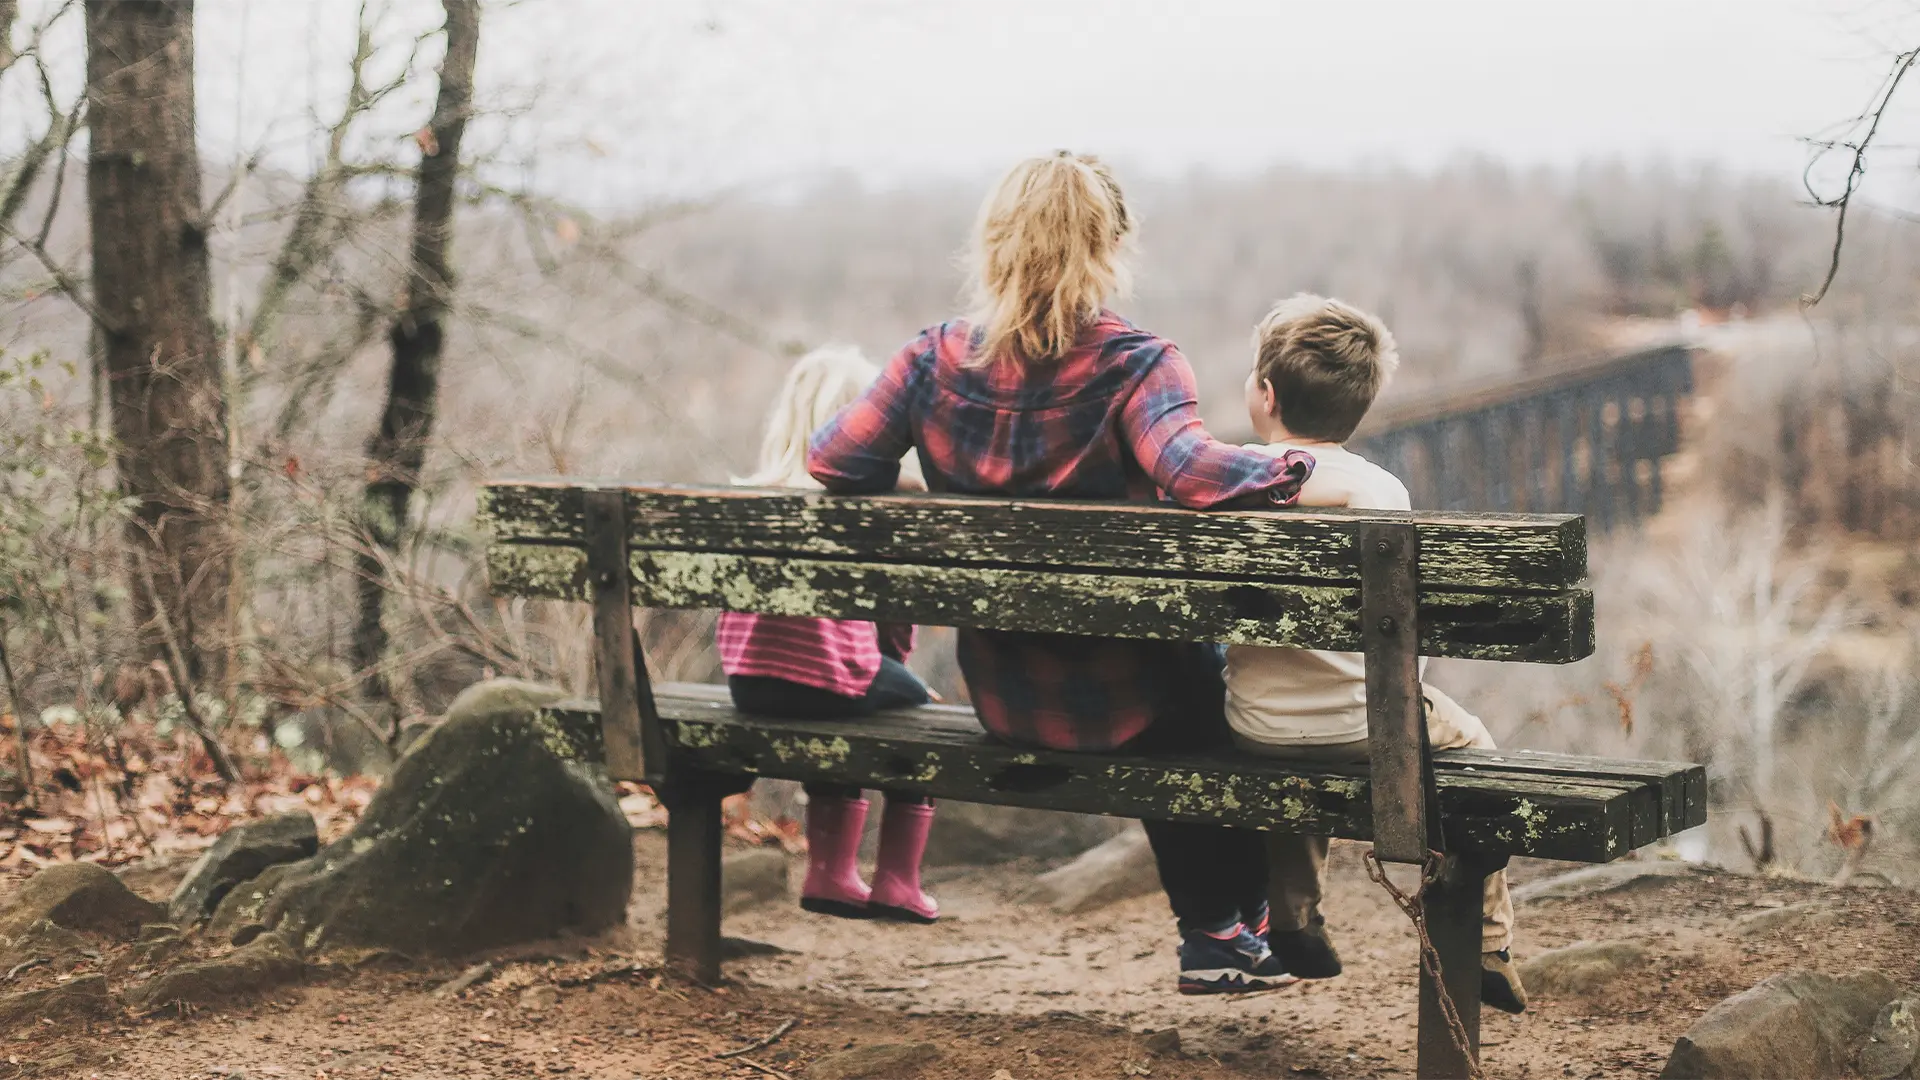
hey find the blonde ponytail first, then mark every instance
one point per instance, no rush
(1048, 251)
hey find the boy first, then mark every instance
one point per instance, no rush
(1318, 366)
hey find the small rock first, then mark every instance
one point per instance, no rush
(40, 940)
(541, 998)
(752, 877)
(1581, 968)
(78, 896)
(882, 1061)
(150, 951)
(1797, 1024)
(268, 961)
(1162, 1043)
(241, 914)
(240, 854)
(1761, 923)
(1891, 1048)
(84, 996)
(464, 980)
(1606, 878)
(1119, 869)
(739, 948)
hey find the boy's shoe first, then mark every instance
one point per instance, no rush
(1308, 952)
(1500, 982)
(1233, 965)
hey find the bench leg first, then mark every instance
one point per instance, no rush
(693, 879)
(1453, 909)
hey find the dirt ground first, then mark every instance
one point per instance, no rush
(1004, 991)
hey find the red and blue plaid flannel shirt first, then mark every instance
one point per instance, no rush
(1116, 418)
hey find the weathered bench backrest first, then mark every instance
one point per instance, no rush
(1490, 586)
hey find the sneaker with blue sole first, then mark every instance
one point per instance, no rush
(1235, 965)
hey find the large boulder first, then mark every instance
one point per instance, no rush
(1583, 968)
(1120, 869)
(1894, 1042)
(752, 877)
(241, 854)
(1798, 1025)
(494, 829)
(1605, 878)
(970, 834)
(78, 896)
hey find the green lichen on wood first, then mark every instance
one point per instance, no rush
(1474, 551)
(1543, 628)
(537, 570)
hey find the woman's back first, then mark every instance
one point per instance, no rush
(1113, 418)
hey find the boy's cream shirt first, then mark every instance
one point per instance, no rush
(1306, 697)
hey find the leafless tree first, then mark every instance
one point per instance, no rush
(152, 286)
(398, 449)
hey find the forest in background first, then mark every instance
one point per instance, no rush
(1767, 616)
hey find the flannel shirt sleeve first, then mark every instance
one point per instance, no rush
(1161, 422)
(896, 640)
(858, 452)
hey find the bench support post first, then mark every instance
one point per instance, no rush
(1453, 912)
(1401, 764)
(693, 873)
(630, 724)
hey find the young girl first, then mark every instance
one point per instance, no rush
(809, 669)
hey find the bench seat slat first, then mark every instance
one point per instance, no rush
(1481, 551)
(1667, 782)
(1524, 810)
(1548, 628)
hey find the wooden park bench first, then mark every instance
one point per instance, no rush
(1392, 585)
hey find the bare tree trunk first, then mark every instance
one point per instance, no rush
(23, 758)
(9, 11)
(399, 449)
(153, 288)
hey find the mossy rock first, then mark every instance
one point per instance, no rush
(494, 829)
(78, 896)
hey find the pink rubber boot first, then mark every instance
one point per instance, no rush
(833, 885)
(896, 880)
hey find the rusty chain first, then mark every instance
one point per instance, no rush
(1414, 907)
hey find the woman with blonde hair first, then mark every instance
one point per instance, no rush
(1043, 391)
(812, 669)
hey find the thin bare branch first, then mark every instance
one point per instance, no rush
(1856, 170)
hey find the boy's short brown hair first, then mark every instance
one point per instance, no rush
(1326, 361)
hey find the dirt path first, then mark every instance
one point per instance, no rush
(1021, 994)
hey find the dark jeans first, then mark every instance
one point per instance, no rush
(894, 687)
(1214, 875)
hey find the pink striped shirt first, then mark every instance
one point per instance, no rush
(840, 656)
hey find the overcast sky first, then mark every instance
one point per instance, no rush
(698, 93)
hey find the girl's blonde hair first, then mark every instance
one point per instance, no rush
(816, 388)
(1048, 250)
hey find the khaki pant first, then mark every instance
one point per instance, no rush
(1297, 865)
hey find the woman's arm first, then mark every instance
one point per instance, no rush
(858, 452)
(1161, 422)
(896, 640)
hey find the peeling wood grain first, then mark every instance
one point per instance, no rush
(1562, 807)
(1478, 551)
(1544, 817)
(1553, 628)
